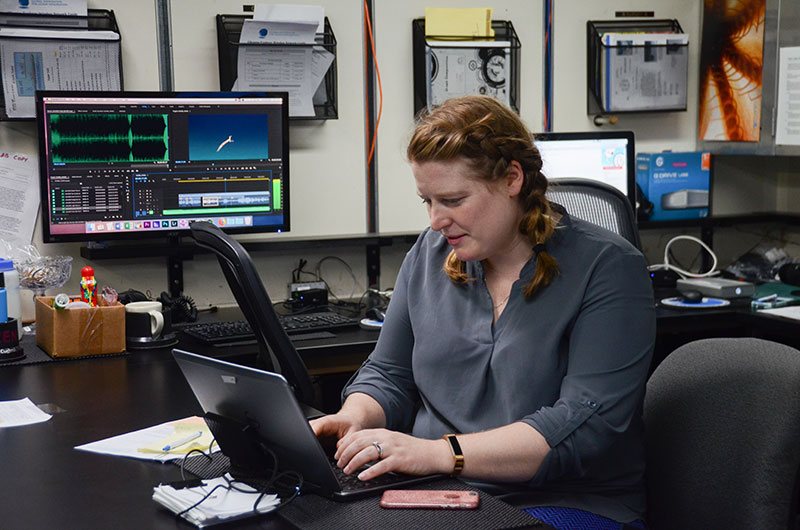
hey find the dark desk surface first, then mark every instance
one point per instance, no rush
(45, 483)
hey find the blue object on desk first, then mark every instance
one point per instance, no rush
(3, 301)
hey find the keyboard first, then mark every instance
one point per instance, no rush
(240, 331)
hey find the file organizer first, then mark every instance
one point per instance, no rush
(95, 20)
(229, 29)
(487, 68)
(646, 72)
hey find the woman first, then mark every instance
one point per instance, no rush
(526, 332)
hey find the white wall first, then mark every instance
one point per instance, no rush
(328, 157)
(399, 208)
(327, 165)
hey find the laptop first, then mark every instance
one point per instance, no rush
(248, 409)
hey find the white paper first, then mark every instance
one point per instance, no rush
(21, 412)
(222, 502)
(640, 39)
(644, 77)
(291, 13)
(45, 7)
(461, 68)
(259, 31)
(787, 131)
(131, 444)
(30, 65)
(19, 197)
(279, 68)
(792, 312)
(321, 60)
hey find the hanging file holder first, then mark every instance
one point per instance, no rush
(446, 67)
(229, 30)
(636, 66)
(56, 52)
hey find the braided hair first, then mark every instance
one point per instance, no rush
(488, 135)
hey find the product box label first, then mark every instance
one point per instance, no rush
(674, 185)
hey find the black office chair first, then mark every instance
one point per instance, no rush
(722, 436)
(254, 302)
(597, 203)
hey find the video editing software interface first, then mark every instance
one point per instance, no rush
(135, 165)
(605, 157)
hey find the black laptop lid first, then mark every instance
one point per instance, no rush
(264, 402)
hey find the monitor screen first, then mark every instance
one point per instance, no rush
(607, 156)
(120, 165)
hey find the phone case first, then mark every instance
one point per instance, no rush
(432, 499)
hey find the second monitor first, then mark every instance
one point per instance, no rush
(608, 157)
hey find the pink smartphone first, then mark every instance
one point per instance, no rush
(441, 499)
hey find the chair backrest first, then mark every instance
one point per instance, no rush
(255, 304)
(597, 203)
(722, 436)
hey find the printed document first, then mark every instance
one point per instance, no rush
(788, 127)
(264, 65)
(146, 444)
(19, 198)
(279, 68)
(45, 7)
(21, 412)
(54, 60)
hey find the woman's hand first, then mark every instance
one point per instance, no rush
(398, 452)
(336, 425)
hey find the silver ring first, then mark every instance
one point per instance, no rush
(379, 448)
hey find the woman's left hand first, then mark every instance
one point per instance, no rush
(391, 451)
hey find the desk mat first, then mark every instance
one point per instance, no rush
(36, 355)
(312, 512)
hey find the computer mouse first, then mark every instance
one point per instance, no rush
(691, 297)
(376, 313)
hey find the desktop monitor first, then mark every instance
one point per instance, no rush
(608, 157)
(134, 165)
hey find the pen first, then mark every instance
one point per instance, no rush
(767, 298)
(184, 440)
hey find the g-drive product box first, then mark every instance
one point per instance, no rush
(677, 184)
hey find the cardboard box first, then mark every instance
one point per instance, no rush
(79, 332)
(676, 184)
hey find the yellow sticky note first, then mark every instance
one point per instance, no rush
(458, 22)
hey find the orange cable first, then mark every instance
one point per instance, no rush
(380, 86)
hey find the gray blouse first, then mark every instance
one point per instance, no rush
(571, 362)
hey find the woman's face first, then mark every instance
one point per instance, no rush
(479, 219)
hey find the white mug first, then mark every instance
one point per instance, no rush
(151, 308)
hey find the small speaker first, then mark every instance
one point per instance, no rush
(790, 273)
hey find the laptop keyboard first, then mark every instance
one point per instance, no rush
(353, 483)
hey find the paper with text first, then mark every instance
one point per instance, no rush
(137, 444)
(19, 197)
(21, 412)
(29, 65)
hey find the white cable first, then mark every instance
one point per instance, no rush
(684, 273)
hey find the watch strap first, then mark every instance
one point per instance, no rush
(458, 455)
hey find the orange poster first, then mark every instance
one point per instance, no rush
(731, 58)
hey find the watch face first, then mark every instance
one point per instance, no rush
(494, 69)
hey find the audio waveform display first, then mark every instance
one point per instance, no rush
(78, 138)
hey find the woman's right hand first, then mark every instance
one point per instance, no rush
(336, 425)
